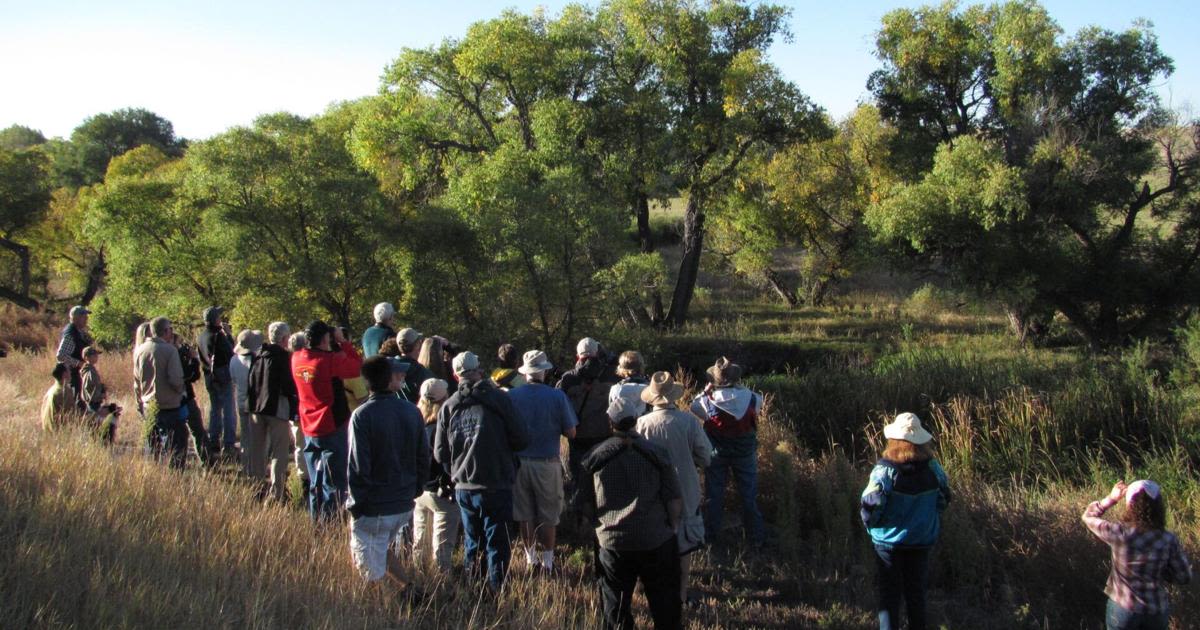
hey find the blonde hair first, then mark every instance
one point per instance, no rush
(903, 452)
(429, 409)
(630, 364)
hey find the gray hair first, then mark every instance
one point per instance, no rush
(297, 342)
(143, 333)
(277, 333)
(160, 325)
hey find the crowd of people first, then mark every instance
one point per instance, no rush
(411, 438)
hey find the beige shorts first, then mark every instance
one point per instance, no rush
(538, 493)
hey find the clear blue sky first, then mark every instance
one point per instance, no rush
(208, 65)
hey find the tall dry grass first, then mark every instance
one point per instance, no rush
(98, 537)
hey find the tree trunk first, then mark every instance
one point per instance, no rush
(689, 266)
(785, 293)
(95, 281)
(22, 252)
(645, 234)
(818, 291)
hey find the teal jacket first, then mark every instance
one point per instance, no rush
(902, 503)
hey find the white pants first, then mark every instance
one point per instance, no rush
(370, 537)
(436, 518)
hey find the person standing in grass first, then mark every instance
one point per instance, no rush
(477, 438)
(318, 371)
(631, 491)
(730, 415)
(94, 394)
(681, 435)
(587, 386)
(159, 373)
(72, 340)
(248, 343)
(216, 353)
(297, 342)
(60, 404)
(374, 336)
(1145, 556)
(538, 494)
(387, 466)
(271, 396)
(436, 517)
(901, 509)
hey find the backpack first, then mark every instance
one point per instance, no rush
(341, 403)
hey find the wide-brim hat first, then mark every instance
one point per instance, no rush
(907, 427)
(662, 390)
(248, 342)
(724, 373)
(534, 362)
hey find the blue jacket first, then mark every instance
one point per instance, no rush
(389, 456)
(902, 503)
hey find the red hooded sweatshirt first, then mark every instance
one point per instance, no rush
(314, 371)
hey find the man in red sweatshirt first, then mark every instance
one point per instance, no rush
(319, 371)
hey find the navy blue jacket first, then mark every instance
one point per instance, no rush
(389, 456)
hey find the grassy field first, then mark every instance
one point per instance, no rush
(1029, 436)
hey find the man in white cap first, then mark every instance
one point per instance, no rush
(538, 494)
(587, 386)
(72, 340)
(374, 336)
(681, 435)
(478, 434)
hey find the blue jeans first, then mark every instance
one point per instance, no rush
(326, 460)
(486, 515)
(222, 414)
(903, 575)
(745, 475)
(1118, 618)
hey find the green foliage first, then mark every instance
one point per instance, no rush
(1036, 164)
(24, 188)
(17, 137)
(100, 138)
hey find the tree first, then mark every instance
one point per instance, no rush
(1058, 183)
(17, 137)
(726, 101)
(84, 160)
(813, 195)
(495, 135)
(302, 223)
(24, 197)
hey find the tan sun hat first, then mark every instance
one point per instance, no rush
(434, 389)
(907, 427)
(724, 373)
(662, 390)
(535, 361)
(248, 342)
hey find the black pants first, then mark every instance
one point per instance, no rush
(173, 431)
(903, 577)
(658, 569)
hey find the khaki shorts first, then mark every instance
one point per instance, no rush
(538, 493)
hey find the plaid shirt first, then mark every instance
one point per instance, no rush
(1142, 562)
(628, 487)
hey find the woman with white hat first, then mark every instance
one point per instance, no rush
(901, 508)
(1145, 556)
(436, 517)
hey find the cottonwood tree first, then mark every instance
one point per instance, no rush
(495, 129)
(24, 197)
(307, 230)
(1044, 168)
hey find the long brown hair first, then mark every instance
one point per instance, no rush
(433, 357)
(904, 452)
(1144, 512)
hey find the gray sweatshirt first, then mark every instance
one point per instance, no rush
(477, 438)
